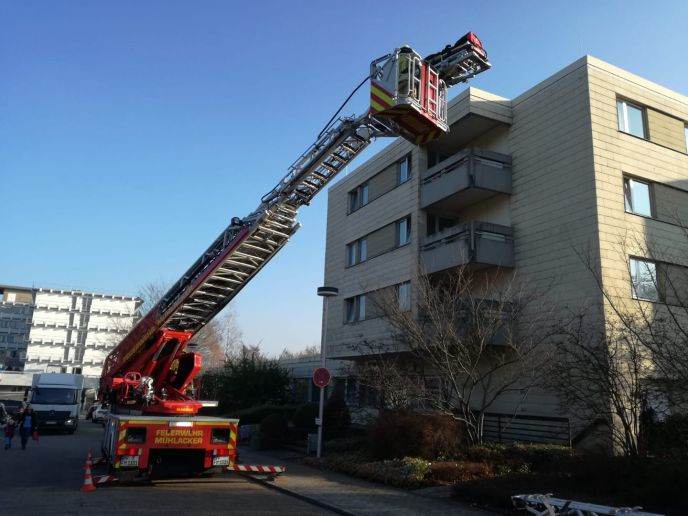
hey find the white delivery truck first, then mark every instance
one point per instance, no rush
(56, 400)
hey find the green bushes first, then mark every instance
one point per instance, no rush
(273, 430)
(398, 434)
(667, 438)
(304, 417)
(408, 472)
(357, 444)
(518, 457)
(336, 416)
(255, 415)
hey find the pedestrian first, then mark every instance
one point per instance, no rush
(28, 425)
(9, 432)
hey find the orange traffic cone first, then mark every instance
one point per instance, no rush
(88, 478)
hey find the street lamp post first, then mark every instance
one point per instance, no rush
(325, 293)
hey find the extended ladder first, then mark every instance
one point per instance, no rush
(156, 343)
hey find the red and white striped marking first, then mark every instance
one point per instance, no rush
(257, 469)
(104, 479)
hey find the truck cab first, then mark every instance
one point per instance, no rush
(56, 400)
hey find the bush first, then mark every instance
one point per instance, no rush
(408, 472)
(667, 438)
(518, 457)
(398, 434)
(346, 444)
(336, 417)
(255, 415)
(274, 429)
(459, 471)
(304, 416)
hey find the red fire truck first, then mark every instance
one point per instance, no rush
(154, 427)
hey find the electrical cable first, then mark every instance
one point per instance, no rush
(329, 122)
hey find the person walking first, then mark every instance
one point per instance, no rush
(9, 432)
(27, 425)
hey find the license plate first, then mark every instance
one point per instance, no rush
(220, 461)
(127, 461)
(51, 422)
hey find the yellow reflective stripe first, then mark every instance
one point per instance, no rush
(210, 423)
(384, 96)
(376, 106)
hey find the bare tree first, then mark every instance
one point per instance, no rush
(601, 372)
(468, 344)
(307, 352)
(633, 356)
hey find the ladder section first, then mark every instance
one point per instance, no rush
(232, 270)
(323, 160)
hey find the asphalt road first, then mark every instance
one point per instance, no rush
(45, 479)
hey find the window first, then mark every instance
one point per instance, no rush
(436, 223)
(644, 279)
(358, 197)
(404, 296)
(357, 252)
(355, 308)
(685, 134)
(403, 231)
(637, 197)
(631, 118)
(404, 170)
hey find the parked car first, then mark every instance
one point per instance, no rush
(94, 406)
(100, 413)
(13, 407)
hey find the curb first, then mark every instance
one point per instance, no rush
(294, 494)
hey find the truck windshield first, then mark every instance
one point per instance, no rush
(49, 396)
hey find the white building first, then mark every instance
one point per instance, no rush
(73, 331)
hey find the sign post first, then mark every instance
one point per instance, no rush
(321, 376)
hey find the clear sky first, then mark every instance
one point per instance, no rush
(132, 131)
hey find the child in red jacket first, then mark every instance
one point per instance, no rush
(9, 433)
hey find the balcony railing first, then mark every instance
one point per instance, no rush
(464, 179)
(479, 244)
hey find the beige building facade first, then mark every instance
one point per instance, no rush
(590, 163)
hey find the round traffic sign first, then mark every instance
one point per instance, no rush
(321, 377)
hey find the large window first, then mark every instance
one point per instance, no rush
(355, 308)
(358, 197)
(404, 295)
(631, 118)
(638, 197)
(403, 231)
(357, 252)
(404, 170)
(644, 279)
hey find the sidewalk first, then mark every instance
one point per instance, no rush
(347, 495)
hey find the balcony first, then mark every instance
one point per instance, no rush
(475, 244)
(464, 179)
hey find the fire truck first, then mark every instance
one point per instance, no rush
(154, 427)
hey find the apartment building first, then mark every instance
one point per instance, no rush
(49, 330)
(587, 159)
(16, 309)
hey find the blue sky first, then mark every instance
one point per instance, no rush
(131, 132)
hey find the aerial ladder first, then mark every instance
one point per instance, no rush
(151, 373)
